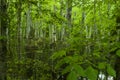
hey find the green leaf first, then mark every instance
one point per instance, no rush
(64, 60)
(68, 59)
(79, 70)
(67, 69)
(111, 71)
(2, 37)
(118, 53)
(113, 49)
(102, 65)
(59, 54)
(91, 73)
(72, 76)
(74, 67)
(59, 64)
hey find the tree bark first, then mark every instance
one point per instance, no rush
(69, 13)
(117, 68)
(18, 29)
(3, 40)
(117, 62)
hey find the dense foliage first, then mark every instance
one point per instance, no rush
(59, 39)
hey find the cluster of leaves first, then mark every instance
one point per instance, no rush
(75, 62)
(20, 68)
(76, 66)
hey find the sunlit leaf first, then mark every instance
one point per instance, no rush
(91, 73)
(58, 54)
(102, 65)
(111, 71)
(67, 69)
(72, 76)
(118, 53)
(79, 70)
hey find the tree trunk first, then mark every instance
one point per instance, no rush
(117, 68)
(18, 30)
(69, 13)
(3, 40)
(117, 62)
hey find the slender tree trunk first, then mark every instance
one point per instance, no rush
(3, 40)
(62, 32)
(19, 35)
(83, 15)
(69, 14)
(117, 68)
(117, 62)
(94, 20)
(18, 29)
